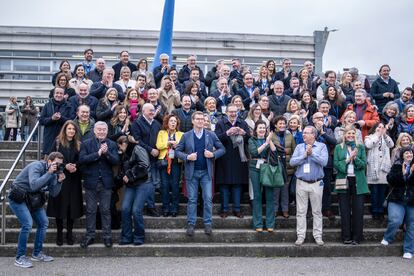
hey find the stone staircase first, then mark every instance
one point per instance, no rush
(231, 236)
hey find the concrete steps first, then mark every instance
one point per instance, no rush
(165, 235)
(180, 222)
(217, 249)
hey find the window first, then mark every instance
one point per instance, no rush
(5, 64)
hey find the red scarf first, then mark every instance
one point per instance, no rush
(410, 120)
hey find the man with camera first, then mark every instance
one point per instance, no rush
(27, 197)
(98, 154)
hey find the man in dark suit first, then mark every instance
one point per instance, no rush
(196, 149)
(98, 154)
(249, 93)
(123, 61)
(145, 130)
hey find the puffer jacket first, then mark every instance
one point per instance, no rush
(402, 189)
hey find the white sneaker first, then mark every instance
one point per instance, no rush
(41, 257)
(299, 241)
(384, 242)
(319, 241)
(407, 255)
(23, 262)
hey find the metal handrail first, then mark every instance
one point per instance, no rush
(10, 172)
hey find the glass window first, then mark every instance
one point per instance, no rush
(5, 53)
(25, 54)
(45, 54)
(25, 65)
(5, 64)
(44, 65)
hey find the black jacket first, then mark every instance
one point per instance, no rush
(95, 166)
(184, 74)
(95, 75)
(98, 90)
(402, 189)
(76, 101)
(146, 134)
(185, 119)
(117, 68)
(52, 128)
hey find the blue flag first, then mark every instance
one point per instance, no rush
(166, 33)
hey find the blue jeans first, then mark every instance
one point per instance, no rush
(26, 220)
(170, 182)
(377, 198)
(225, 195)
(1, 134)
(133, 203)
(396, 213)
(200, 177)
(155, 180)
(282, 196)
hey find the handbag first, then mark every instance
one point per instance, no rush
(271, 175)
(341, 184)
(35, 200)
(17, 194)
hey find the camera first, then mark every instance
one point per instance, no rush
(60, 168)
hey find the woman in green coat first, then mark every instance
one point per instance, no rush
(350, 162)
(259, 146)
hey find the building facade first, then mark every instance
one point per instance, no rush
(29, 56)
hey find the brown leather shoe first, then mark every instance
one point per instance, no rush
(238, 214)
(286, 215)
(224, 214)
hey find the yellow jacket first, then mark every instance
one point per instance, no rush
(162, 141)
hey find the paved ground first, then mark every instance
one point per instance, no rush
(215, 266)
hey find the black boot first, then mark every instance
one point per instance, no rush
(59, 235)
(69, 235)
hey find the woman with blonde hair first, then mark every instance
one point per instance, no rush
(106, 105)
(350, 163)
(13, 119)
(213, 115)
(348, 119)
(347, 88)
(263, 80)
(125, 81)
(255, 114)
(378, 144)
(238, 102)
(294, 108)
(404, 140)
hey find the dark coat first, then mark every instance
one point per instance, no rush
(337, 110)
(185, 120)
(76, 101)
(400, 186)
(94, 165)
(104, 111)
(328, 138)
(278, 105)
(244, 94)
(379, 87)
(286, 81)
(52, 128)
(69, 200)
(29, 116)
(211, 75)
(98, 90)
(146, 134)
(221, 102)
(95, 75)
(184, 74)
(230, 169)
(158, 74)
(117, 68)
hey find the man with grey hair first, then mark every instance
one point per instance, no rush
(98, 89)
(309, 157)
(278, 100)
(184, 74)
(83, 98)
(97, 156)
(123, 61)
(145, 130)
(286, 73)
(214, 73)
(162, 69)
(95, 75)
(359, 77)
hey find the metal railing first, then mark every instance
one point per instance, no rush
(21, 154)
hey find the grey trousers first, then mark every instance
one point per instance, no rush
(92, 198)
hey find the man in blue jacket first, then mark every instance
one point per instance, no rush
(81, 98)
(98, 89)
(98, 154)
(198, 148)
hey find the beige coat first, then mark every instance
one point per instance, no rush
(13, 116)
(170, 99)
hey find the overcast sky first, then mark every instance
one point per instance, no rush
(370, 33)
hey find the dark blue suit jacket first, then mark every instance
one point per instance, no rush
(92, 163)
(186, 147)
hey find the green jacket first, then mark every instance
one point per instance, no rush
(254, 154)
(359, 167)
